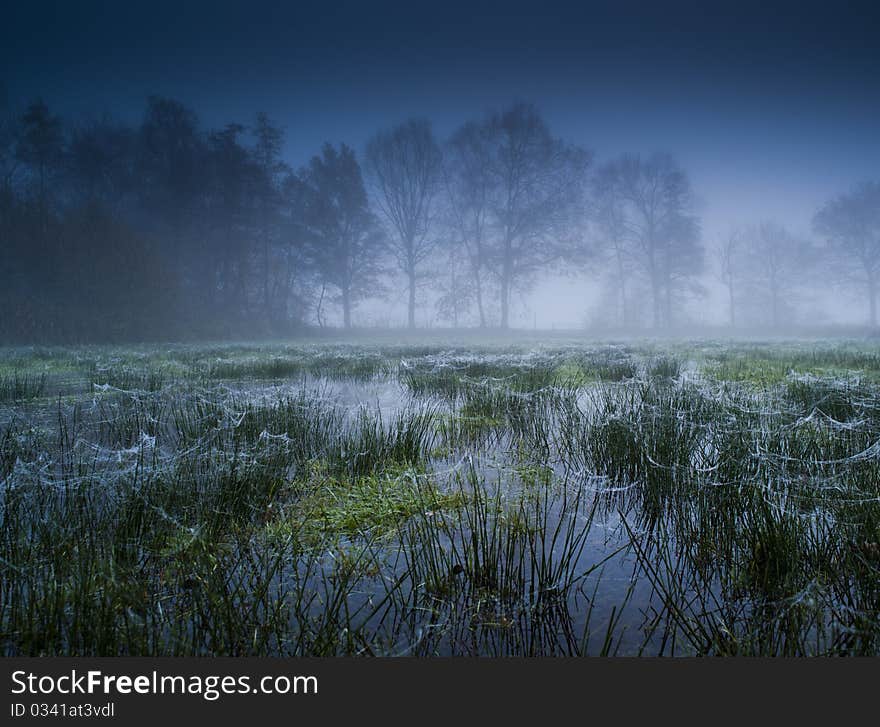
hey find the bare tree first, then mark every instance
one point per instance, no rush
(776, 263)
(537, 199)
(456, 287)
(344, 239)
(468, 182)
(850, 224)
(729, 254)
(662, 234)
(611, 244)
(405, 166)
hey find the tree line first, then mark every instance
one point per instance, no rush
(166, 230)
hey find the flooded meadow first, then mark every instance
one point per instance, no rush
(526, 497)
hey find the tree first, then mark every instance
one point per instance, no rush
(231, 215)
(775, 265)
(729, 254)
(10, 128)
(9, 169)
(110, 281)
(655, 201)
(456, 288)
(171, 177)
(171, 165)
(850, 225)
(344, 240)
(269, 140)
(537, 184)
(468, 184)
(13, 261)
(404, 164)
(41, 148)
(294, 278)
(611, 244)
(100, 159)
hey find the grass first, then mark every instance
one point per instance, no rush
(373, 506)
(533, 498)
(21, 386)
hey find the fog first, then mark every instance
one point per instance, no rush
(253, 171)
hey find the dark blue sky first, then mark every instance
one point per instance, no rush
(771, 109)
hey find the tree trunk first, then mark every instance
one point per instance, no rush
(667, 304)
(318, 312)
(658, 305)
(774, 308)
(506, 276)
(731, 304)
(621, 275)
(346, 308)
(411, 313)
(478, 288)
(655, 288)
(455, 296)
(265, 273)
(872, 300)
(505, 299)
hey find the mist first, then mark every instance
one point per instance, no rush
(268, 172)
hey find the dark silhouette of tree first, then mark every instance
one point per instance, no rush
(166, 229)
(231, 212)
(405, 167)
(344, 241)
(269, 140)
(468, 185)
(10, 164)
(14, 265)
(190, 210)
(40, 148)
(612, 245)
(100, 163)
(536, 202)
(775, 264)
(172, 174)
(294, 272)
(171, 164)
(655, 201)
(110, 280)
(850, 224)
(455, 287)
(729, 256)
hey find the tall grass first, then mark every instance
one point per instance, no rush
(702, 499)
(20, 386)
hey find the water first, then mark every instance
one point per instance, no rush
(512, 422)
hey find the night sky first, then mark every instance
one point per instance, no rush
(770, 110)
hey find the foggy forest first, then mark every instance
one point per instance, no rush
(168, 230)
